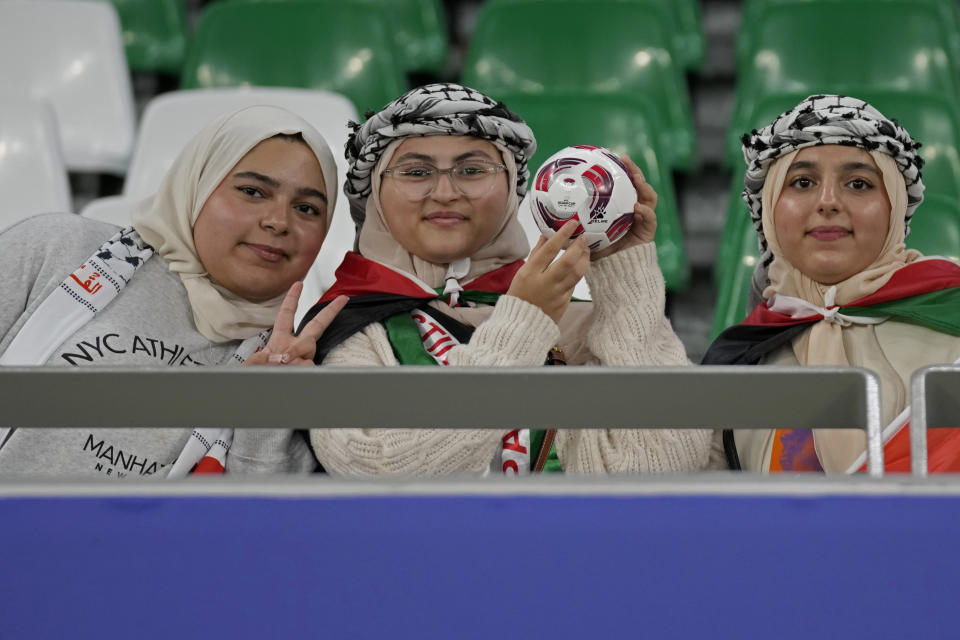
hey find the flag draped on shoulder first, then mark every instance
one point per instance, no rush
(421, 334)
(925, 292)
(378, 292)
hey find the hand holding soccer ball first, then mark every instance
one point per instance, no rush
(644, 225)
(547, 281)
(607, 196)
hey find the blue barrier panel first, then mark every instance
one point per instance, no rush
(480, 567)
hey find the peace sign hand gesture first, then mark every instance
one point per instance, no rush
(286, 348)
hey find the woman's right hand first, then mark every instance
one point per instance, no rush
(286, 348)
(549, 283)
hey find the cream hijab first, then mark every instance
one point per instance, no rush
(823, 343)
(165, 220)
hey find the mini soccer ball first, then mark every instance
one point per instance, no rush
(588, 184)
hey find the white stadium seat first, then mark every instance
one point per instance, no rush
(113, 209)
(71, 53)
(33, 178)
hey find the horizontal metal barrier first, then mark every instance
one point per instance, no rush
(497, 397)
(934, 402)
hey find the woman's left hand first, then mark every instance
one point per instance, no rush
(286, 348)
(644, 219)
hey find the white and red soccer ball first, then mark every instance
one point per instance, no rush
(588, 184)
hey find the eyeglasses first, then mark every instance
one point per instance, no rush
(417, 180)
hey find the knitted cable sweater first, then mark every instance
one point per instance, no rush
(627, 328)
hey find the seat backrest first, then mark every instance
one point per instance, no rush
(935, 227)
(71, 54)
(419, 30)
(736, 260)
(33, 178)
(155, 33)
(681, 18)
(882, 46)
(113, 209)
(306, 44)
(751, 12)
(623, 125)
(613, 47)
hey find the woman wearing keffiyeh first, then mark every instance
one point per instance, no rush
(832, 185)
(435, 181)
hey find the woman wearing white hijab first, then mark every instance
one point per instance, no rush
(435, 182)
(832, 185)
(197, 280)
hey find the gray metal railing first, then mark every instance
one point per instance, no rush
(435, 397)
(934, 402)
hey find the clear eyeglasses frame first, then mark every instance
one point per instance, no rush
(471, 178)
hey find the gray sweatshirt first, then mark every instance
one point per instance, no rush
(149, 323)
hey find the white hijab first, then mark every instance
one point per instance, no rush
(166, 219)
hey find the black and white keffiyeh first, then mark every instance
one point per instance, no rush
(820, 120)
(434, 109)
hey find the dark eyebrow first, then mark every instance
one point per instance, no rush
(426, 158)
(802, 164)
(860, 166)
(849, 166)
(308, 192)
(470, 154)
(416, 156)
(257, 176)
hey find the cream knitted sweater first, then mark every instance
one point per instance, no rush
(628, 328)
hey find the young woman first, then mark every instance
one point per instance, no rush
(435, 181)
(832, 185)
(196, 280)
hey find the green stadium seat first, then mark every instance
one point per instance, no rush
(681, 17)
(611, 47)
(302, 44)
(691, 41)
(419, 29)
(935, 227)
(933, 120)
(622, 124)
(751, 12)
(730, 250)
(154, 34)
(736, 260)
(837, 47)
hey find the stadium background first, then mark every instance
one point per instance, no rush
(839, 559)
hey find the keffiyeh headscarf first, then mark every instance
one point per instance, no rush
(820, 120)
(434, 109)
(437, 109)
(832, 120)
(165, 221)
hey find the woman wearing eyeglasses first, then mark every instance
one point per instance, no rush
(439, 277)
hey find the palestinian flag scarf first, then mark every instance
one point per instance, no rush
(925, 292)
(420, 334)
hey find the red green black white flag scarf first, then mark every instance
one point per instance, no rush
(925, 292)
(418, 333)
